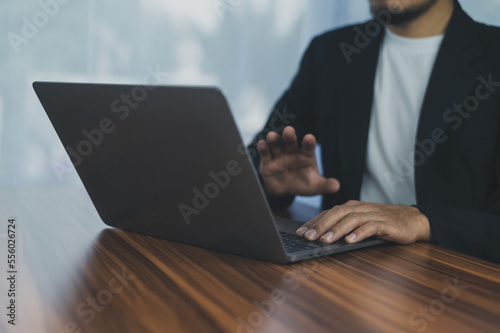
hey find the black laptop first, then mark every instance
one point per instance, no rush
(169, 162)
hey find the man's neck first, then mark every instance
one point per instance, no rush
(431, 23)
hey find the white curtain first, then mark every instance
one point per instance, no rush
(248, 48)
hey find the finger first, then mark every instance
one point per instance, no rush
(330, 185)
(309, 145)
(304, 228)
(290, 139)
(330, 219)
(364, 231)
(264, 151)
(273, 139)
(350, 222)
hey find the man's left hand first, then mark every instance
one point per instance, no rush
(359, 220)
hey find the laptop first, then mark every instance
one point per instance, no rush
(169, 162)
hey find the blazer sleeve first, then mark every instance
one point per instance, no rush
(471, 231)
(294, 108)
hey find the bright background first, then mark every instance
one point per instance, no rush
(248, 48)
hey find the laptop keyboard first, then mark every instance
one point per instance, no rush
(294, 243)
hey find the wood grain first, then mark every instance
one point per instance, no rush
(69, 257)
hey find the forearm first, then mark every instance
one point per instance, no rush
(470, 231)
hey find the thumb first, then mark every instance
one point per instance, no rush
(330, 185)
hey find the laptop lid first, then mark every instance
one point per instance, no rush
(164, 161)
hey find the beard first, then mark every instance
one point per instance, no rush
(401, 15)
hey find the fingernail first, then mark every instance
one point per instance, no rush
(311, 233)
(351, 237)
(301, 231)
(328, 236)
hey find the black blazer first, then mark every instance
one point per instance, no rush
(457, 177)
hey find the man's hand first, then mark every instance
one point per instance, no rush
(287, 169)
(360, 220)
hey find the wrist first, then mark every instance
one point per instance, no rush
(424, 227)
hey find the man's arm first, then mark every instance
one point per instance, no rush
(472, 231)
(475, 232)
(295, 108)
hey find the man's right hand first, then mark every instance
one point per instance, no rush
(287, 169)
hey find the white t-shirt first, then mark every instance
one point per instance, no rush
(403, 72)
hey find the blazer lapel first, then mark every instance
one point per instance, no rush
(451, 80)
(354, 115)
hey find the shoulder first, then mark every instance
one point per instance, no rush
(348, 39)
(345, 34)
(489, 36)
(339, 46)
(488, 30)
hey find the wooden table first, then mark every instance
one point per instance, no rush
(76, 275)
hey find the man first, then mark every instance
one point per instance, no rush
(406, 108)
